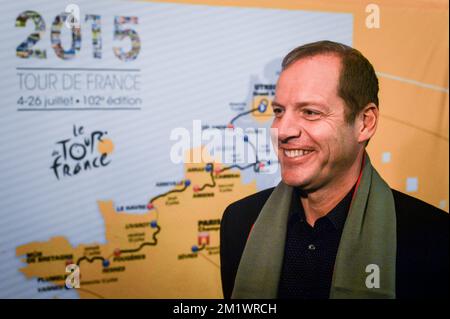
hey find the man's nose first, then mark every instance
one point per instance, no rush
(287, 127)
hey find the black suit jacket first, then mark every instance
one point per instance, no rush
(422, 269)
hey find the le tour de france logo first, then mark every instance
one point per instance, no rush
(83, 151)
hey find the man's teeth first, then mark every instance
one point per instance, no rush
(296, 153)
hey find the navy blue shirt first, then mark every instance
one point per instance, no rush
(310, 252)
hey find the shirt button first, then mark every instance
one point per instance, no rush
(312, 247)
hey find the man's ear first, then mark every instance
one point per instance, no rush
(367, 122)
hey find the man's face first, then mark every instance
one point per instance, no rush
(315, 144)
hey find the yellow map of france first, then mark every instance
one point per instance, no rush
(171, 251)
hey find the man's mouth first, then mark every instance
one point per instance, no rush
(296, 153)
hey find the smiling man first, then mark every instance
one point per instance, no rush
(332, 228)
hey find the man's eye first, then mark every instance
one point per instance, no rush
(311, 114)
(277, 111)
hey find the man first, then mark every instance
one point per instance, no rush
(332, 228)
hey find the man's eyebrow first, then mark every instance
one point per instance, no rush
(275, 103)
(299, 104)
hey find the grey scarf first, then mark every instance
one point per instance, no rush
(367, 248)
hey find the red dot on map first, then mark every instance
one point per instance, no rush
(230, 126)
(117, 252)
(196, 188)
(150, 206)
(261, 165)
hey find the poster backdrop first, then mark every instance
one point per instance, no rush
(109, 115)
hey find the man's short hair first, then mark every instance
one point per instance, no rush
(358, 83)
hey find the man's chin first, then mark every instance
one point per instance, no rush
(294, 181)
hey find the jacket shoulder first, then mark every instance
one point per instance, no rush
(420, 223)
(235, 226)
(418, 212)
(422, 248)
(247, 208)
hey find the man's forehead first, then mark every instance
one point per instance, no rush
(321, 63)
(316, 76)
(331, 56)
